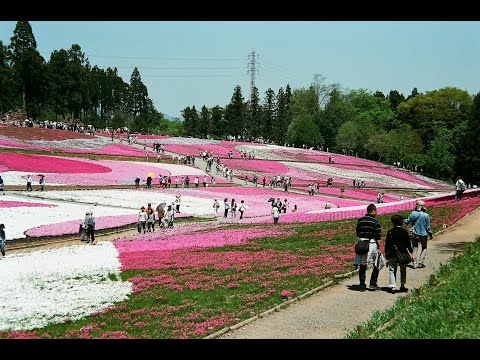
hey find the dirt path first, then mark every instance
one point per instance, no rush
(333, 312)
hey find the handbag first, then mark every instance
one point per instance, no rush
(403, 258)
(380, 261)
(361, 247)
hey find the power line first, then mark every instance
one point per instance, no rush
(156, 58)
(169, 68)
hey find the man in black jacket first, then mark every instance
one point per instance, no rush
(369, 229)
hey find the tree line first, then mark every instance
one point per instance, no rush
(437, 131)
(68, 88)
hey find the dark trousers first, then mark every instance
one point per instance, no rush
(458, 195)
(241, 214)
(226, 213)
(90, 233)
(362, 273)
(141, 226)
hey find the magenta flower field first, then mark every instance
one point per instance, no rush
(9, 204)
(49, 164)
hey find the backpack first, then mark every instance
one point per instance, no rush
(462, 186)
(91, 221)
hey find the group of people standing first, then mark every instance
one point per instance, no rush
(232, 206)
(398, 240)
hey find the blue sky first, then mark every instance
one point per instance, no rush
(185, 63)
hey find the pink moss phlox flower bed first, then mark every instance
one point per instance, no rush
(155, 254)
(272, 168)
(49, 164)
(221, 149)
(333, 214)
(71, 227)
(399, 174)
(361, 194)
(10, 204)
(117, 150)
(119, 172)
(257, 199)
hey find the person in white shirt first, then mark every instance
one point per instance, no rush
(242, 208)
(29, 183)
(216, 205)
(459, 188)
(275, 214)
(142, 220)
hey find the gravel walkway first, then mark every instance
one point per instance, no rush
(336, 310)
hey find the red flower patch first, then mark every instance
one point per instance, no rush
(26, 133)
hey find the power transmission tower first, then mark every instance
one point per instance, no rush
(252, 70)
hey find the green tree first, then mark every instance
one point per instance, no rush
(268, 114)
(140, 106)
(395, 98)
(439, 160)
(218, 123)
(434, 110)
(27, 64)
(7, 89)
(205, 122)
(303, 131)
(235, 114)
(337, 112)
(253, 119)
(467, 154)
(190, 117)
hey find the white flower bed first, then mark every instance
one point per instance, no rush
(95, 143)
(368, 177)
(187, 141)
(53, 285)
(17, 220)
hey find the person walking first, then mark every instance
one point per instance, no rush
(1, 185)
(459, 188)
(242, 208)
(226, 207)
(275, 214)
(3, 238)
(91, 228)
(216, 205)
(234, 208)
(42, 182)
(177, 203)
(419, 232)
(29, 183)
(397, 239)
(137, 182)
(150, 221)
(369, 229)
(142, 220)
(170, 215)
(85, 227)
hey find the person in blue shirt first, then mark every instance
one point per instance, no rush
(419, 232)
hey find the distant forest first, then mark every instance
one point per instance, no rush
(437, 131)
